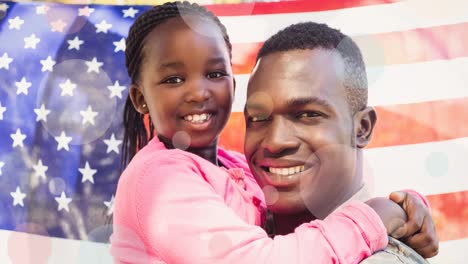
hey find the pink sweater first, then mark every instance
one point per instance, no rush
(172, 206)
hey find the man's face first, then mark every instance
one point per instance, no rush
(300, 132)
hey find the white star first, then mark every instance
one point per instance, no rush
(75, 43)
(85, 11)
(87, 173)
(63, 202)
(63, 141)
(42, 10)
(41, 113)
(110, 205)
(18, 138)
(40, 170)
(131, 12)
(116, 90)
(88, 115)
(31, 42)
(94, 65)
(47, 64)
(5, 61)
(1, 166)
(18, 197)
(112, 144)
(15, 23)
(3, 7)
(67, 88)
(22, 86)
(119, 45)
(2, 110)
(103, 27)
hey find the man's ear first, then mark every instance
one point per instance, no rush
(364, 122)
(138, 99)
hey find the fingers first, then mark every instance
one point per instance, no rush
(398, 197)
(426, 243)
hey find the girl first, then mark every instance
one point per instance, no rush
(201, 204)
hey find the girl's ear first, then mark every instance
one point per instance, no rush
(364, 123)
(138, 99)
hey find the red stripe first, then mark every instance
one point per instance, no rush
(450, 214)
(245, 9)
(396, 125)
(412, 46)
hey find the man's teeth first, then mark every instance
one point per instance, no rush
(197, 118)
(287, 171)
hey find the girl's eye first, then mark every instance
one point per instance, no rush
(215, 75)
(173, 80)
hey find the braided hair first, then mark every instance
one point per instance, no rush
(136, 134)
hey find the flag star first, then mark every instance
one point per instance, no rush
(94, 65)
(47, 64)
(110, 205)
(116, 90)
(85, 11)
(87, 173)
(31, 41)
(15, 23)
(3, 7)
(131, 12)
(18, 197)
(5, 61)
(58, 25)
(22, 86)
(75, 43)
(18, 138)
(88, 115)
(119, 45)
(112, 144)
(2, 110)
(40, 170)
(41, 113)
(67, 88)
(1, 166)
(63, 141)
(42, 10)
(103, 27)
(63, 202)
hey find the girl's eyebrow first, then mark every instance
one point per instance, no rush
(217, 60)
(171, 65)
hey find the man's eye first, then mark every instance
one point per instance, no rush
(173, 80)
(308, 114)
(254, 119)
(215, 75)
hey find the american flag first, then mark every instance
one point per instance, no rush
(63, 84)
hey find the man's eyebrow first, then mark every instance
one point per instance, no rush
(303, 101)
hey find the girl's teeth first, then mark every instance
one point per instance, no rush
(286, 171)
(197, 118)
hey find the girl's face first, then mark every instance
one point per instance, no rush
(186, 80)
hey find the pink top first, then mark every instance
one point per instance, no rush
(172, 206)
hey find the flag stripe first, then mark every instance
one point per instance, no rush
(263, 8)
(403, 47)
(400, 84)
(396, 124)
(451, 220)
(367, 20)
(451, 252)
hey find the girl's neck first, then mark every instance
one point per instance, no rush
(210, 153)
(287, 223)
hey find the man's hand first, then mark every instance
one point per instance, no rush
(419, 231)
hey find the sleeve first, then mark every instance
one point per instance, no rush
(420, 196)
(183, 220)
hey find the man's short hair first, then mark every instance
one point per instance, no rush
(310, 35)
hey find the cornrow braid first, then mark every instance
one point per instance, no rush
(136, 135)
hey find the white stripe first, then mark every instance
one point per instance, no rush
(72, 251)
(401, 84)
(372, 19)
(430, 168)
(451, 252)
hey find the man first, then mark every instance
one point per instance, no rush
(307, 121)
